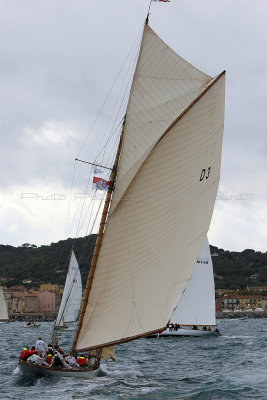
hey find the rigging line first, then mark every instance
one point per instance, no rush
(115, 145)
(68, 213)
(86, 239)
(101, 201)
(88, 235)
(89, 206)
(129, 76)
(132, 65)
(84, 198)
(83, 203)
(123, 98)
(110, 137)
(65, 243)
(101, 108)
(83, 194)
(72, 183)
(92, 201)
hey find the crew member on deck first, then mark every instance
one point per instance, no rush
(41, 347)
(24, 354)
(81, 361)
(37, 360)
(49, 359)
(31, 351)
(71, 360)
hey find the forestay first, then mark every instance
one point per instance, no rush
(3, 306)
(72, 295)
(155, 233)
(197, 305)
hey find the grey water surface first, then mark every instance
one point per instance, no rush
(232, 366)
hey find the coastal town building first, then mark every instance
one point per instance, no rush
(30, 303)
(230, 302)
(248, 302)
(234, 301)
(256, 288)
(49, 287)
(19, 300)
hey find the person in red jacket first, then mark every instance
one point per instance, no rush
(49, 359)
(81, 361)
(24, 354)
(31, 352)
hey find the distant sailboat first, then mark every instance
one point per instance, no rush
(158, 206)
(3, 307)
(72, 296)
(196, 308)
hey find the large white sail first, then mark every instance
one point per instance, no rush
(3, 306)
(197, 305)
(72, 295)
(164, 85)
(161, 222)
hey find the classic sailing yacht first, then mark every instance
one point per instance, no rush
(72, 296)
(159, 204)
(3, 307)
(196, 308)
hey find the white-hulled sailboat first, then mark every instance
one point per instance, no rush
(72, 296)
(3, 307)
(159, 203)
(195, 314)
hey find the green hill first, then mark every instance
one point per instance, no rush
(44, 264)
(237, 270)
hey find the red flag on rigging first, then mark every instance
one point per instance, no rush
(100, 183)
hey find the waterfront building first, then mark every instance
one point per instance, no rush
(248, 302)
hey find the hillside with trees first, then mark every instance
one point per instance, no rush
(237, 270)
(49, 264)
(44, 264)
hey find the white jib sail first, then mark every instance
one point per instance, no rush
(72, 295)
(3, 306)
(197, 305)
(159, 224)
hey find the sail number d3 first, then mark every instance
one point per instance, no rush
(205, 173)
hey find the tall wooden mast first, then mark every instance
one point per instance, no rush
(98, 240)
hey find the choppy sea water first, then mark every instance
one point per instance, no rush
(232, 366)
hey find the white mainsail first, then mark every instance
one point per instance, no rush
(169, 187)
(197, 305)
(3, 306)
(72, 295)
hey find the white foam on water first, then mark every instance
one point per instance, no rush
(239, 337)
(16, 371)
(123, 373)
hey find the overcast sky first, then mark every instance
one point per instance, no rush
(59, 59)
